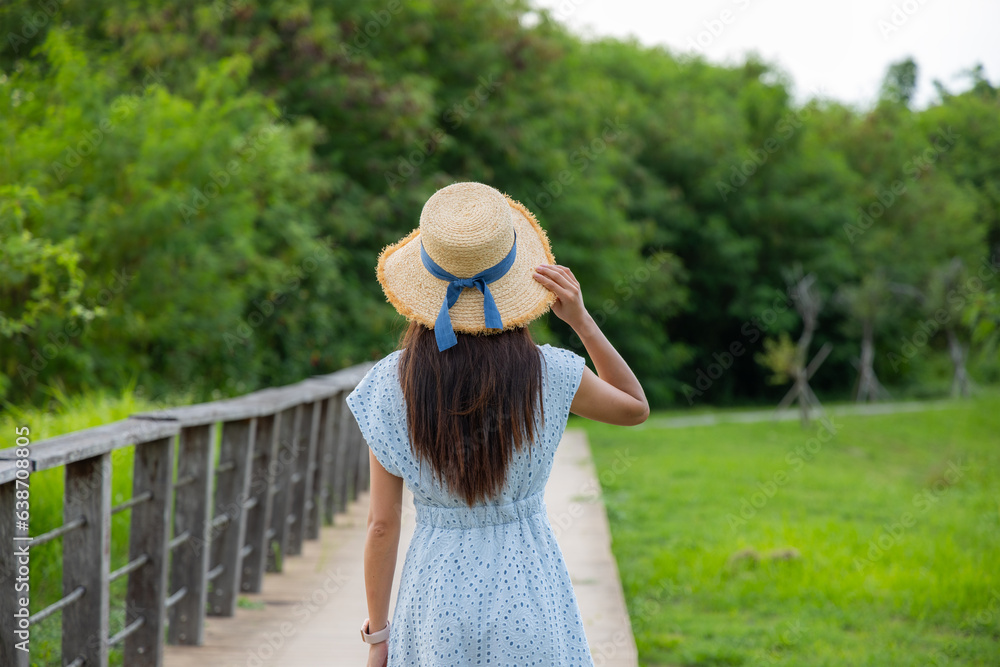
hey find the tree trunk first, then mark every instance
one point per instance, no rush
(800, 395)
(958, 353)
(867, 384)
(801, 380)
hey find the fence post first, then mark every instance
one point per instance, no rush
(9, 653)
(289, 427)
(87, 560)
(302, 500)
(149, 533)
(333, 419)
(321, 473)
(262, 476)
(231, 494)
(343, 454)
(192, 510)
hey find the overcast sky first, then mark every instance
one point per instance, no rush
(840, 48)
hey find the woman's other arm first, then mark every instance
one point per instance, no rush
(381, 545)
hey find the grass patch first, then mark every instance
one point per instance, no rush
(244, 602)
(765, 544)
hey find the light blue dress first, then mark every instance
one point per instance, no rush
(482, 585)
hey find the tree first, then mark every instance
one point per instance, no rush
(677, 189)
(867, 304)
(788, 361)
(184, 215)
(900, 82)
(939, 306)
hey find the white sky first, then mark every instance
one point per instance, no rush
(837, 49)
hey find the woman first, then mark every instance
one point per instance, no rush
(468, 412)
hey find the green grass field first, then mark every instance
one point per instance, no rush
(873, 541)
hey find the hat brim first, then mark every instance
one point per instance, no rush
(417, 295)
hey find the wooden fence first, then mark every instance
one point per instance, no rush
(209, 515)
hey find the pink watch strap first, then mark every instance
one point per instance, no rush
(374, 637)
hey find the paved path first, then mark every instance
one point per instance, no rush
(751, 416)
(309, 616)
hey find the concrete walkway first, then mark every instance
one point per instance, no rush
(309, 616)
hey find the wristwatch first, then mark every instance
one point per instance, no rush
(375, 637)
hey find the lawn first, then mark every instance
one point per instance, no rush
(869, 541)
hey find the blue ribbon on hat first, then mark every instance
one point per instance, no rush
(443, 332)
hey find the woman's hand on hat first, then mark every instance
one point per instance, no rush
(612, 395)
(569, 302)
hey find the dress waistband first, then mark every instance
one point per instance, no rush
(479, 515)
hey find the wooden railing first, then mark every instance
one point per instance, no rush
(209, 515)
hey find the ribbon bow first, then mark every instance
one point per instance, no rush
(443, 331)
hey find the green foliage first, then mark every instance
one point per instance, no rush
(189, 216)
(900, 82)
(983, 318)
(779, 357)
(36, 275)
(206, 187)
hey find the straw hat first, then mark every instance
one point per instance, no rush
(466, 229)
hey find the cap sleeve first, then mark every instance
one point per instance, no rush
(564, 371)
(374, 404)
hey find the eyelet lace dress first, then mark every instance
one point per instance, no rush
(482, 585)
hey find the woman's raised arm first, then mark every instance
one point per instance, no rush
(613, 395)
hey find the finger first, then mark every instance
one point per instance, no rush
(566, 279)
(566, 271)
(554, 274)
(552, 285)
(547, 277)
(559, 279)
(567, 275)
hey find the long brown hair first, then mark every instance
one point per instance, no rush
(470, 407)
